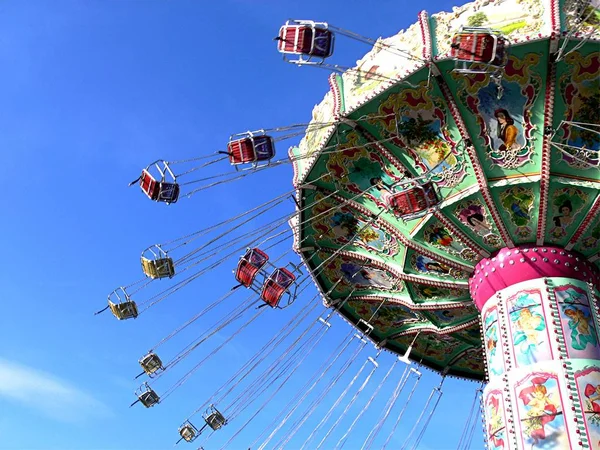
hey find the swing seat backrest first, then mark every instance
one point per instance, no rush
(305, 40)
(276, 285)
(149, 185)
(473, 46)
(158, 268)
(414, 200)
(151, 363)
(168, 192)
(215, 420)
(264, 148)
(149, 398)
(249, 266)
(188, 433)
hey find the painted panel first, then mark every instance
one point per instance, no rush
(578, 146)
(579, 330)
(539, 412)
(588, 387)
(475, 218)
(493, 343)
(528, 328)
(495, 420)
(567, 208)
(342, 225)
(519, 205)
(438, 237)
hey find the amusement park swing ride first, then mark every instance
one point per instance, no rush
(446, 205)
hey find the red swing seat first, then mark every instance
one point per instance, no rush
(414, 200)
(482, 46)
(251, 149)
(249, 266)
(305, 39)
(276, 285)
(160, 191)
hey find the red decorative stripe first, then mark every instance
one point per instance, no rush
(585, 224)
(546, 154)
(425, 35)
(337, 96)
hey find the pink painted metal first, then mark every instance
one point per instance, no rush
(514, 265)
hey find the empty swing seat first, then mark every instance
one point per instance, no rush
(158, 268)
(151, 363)
(305, 39)
(276, 285)
(124, 310)
(160, 191)
(215, 419)
(188, 432)
(478, 46)
(249, 265)
(414, 200)
(251, 149)
(149, 398)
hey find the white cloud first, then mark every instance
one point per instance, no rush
(48, 394)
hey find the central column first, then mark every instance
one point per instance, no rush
(539, 312)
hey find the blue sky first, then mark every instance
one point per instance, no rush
(92, 92)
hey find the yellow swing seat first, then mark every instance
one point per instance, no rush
(158, 268)
(124, 310)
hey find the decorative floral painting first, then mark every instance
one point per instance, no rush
(540, 412)
(579, 330)
(416, 121)
(493, 345)
(359, 168)
(518, 202)
(438, 236)
(528, 328)
(344, 226)
(588, 386)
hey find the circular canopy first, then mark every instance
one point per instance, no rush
(512, 155)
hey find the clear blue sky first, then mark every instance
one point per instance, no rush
(91, 92)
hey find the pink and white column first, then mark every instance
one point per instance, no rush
(540, 322)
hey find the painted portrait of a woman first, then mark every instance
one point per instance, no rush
(507, 131)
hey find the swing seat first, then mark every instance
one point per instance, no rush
(249, 266)
(276, 285)
(158, 268)
(151, 363)
(478, 45)
(188, 432)
(159, 191)
(124, 310)
(149, 398)
(305, 38)
(251, 149)
(413, 201)
(215, 420)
